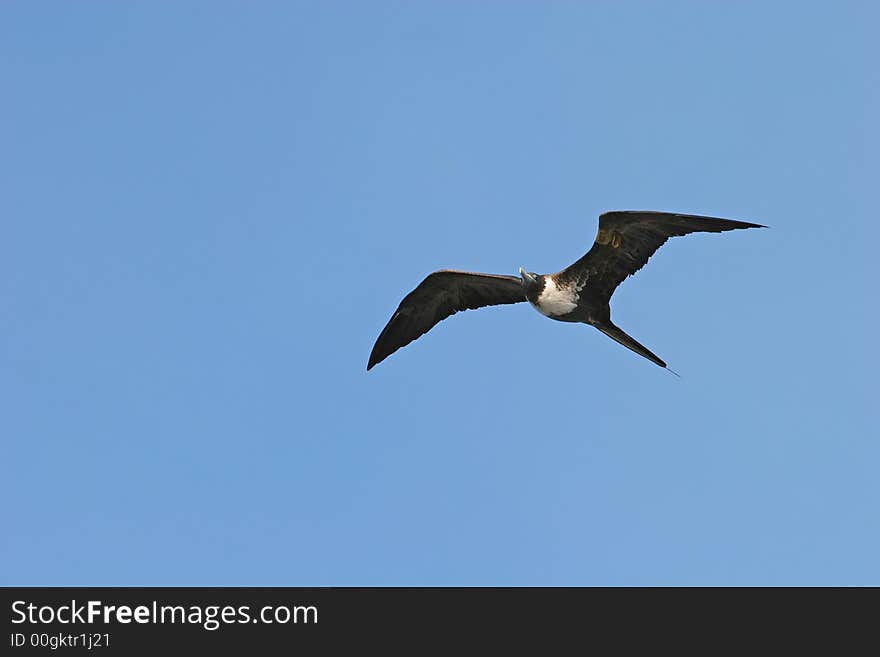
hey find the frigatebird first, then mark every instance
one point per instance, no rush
(579, 293)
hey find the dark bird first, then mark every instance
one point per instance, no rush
(579, 293)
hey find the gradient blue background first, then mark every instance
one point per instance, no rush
(210, 210)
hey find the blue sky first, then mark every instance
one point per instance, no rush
(210, 210)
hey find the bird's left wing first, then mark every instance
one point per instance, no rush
(441, 294)
(627, 239)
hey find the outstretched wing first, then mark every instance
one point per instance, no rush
(625, 242)
(440, 295)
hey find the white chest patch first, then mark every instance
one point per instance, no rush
(554, 301)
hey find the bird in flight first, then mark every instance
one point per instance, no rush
(579, 293)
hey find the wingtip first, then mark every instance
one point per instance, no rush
(745, 224)
(374, 359)
(373, 362)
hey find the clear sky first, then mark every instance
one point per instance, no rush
(210, 210)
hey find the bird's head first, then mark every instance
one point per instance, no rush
(531, 282)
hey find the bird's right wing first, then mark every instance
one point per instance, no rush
(440, 295)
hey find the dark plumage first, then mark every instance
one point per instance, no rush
(440, 295)
(579, 293)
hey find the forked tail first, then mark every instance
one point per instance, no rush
(617, 334)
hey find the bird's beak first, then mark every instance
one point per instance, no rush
(526, 276)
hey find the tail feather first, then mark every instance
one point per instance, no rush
(617, 334)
